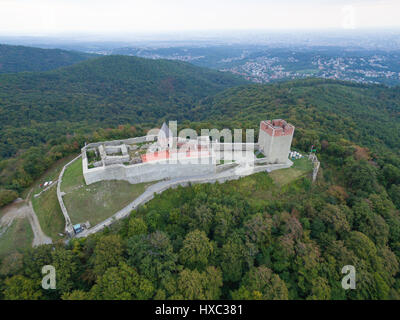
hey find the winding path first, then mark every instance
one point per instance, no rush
(39, 237)
(23, 209)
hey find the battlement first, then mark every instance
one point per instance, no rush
(277, 128)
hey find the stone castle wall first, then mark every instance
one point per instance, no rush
(144, 172)
(148, 138)
(234, 146)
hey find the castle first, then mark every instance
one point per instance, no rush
(165, 155)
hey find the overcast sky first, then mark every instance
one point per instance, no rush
(44, 17)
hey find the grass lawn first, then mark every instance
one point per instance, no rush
(73, 177)
(18, 236)
(255, 186)
(302, 164)
(99, 201)
(49, 213)
(46, 205)
(301, 167)
(261, 190)
(284, 176)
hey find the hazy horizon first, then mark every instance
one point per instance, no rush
(63, 17)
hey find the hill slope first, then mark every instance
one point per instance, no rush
(20, 58)
(107, 90)
(365, 114)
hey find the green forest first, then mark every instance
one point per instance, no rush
(245, 239)
(36, 107)
(47, 115)
(22, 59)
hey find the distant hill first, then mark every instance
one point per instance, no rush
(108, 90)
(365, 114)
(20, 58)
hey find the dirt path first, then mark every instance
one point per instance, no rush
(39, 236)
(23, 209)
(13, 211)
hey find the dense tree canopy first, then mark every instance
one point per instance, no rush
(20, 58)
(244, 239)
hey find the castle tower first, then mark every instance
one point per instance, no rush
(275, 139)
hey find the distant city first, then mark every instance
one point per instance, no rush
(263, 65)
(262, 57)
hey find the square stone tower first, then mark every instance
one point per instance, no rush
(275, 139)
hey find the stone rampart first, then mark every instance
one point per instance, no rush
(148, 138)
(144, 172)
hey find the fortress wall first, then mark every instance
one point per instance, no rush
(113, 172)
(116, 159)
(234, 151)
(124, 141)
(152, 172)
(146, 172)
(115, 149)
(150, 138)
(226, 166)
(234, 146)
(261, 161)
(98, 163)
